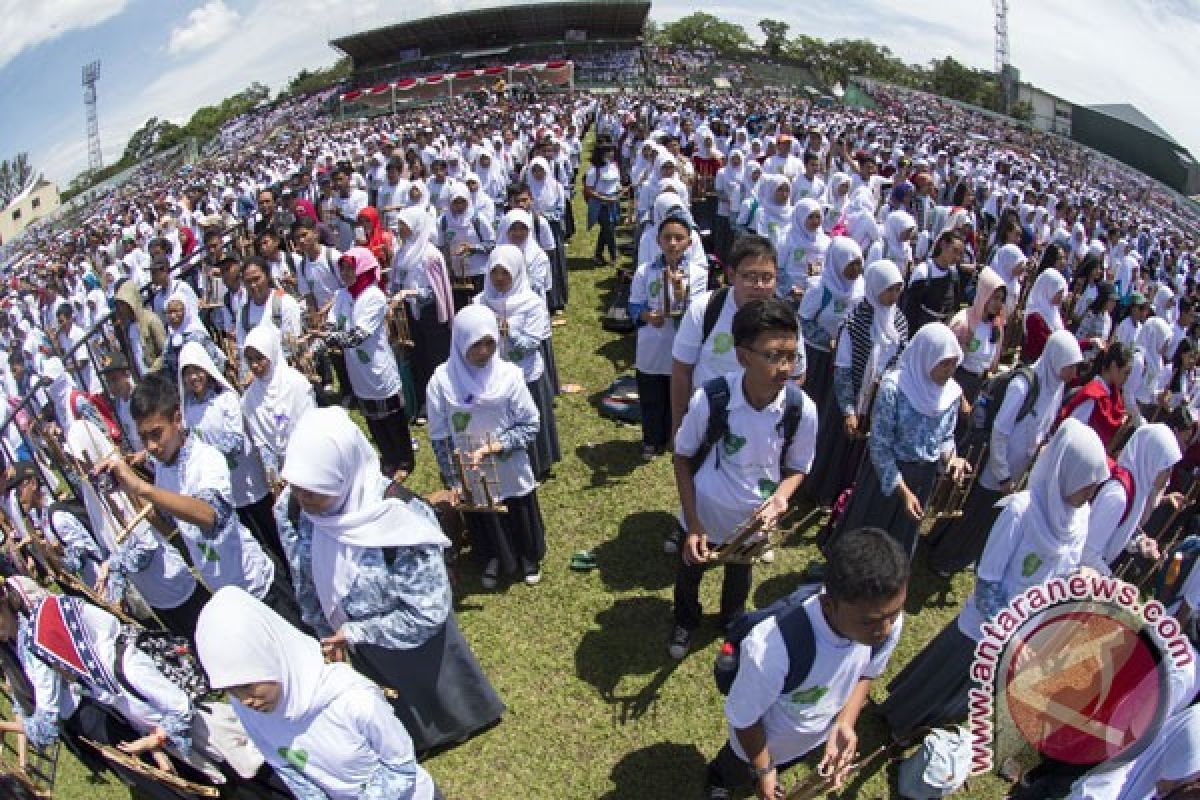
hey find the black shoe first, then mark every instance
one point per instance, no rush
(681, 640)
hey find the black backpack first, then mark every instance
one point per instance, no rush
(991, 397)
(717, 392)
(171, 654)
(796, 630)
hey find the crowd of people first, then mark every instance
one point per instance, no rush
(830, 305)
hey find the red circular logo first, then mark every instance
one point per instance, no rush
(1083, 687)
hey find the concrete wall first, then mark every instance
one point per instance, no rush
(17, 217)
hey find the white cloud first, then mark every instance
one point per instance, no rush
(24, 24)
(1103, 51)
(205, 26)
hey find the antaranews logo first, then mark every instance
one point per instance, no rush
(1075, 669)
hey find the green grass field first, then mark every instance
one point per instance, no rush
(596, 708)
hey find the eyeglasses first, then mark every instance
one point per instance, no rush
(756, 278)
(777, 358)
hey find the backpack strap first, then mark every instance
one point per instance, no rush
(1125, 478)
(717, 392)
(1031, 396)
(801, 642)
(793, 412)
(712, 313)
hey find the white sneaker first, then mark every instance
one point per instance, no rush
(533, 578)
(490, 572)
(768, 556)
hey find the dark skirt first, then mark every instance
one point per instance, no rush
(556, 298)
(818, 378)
(544, 450)
(444, 697)
(431, 349)
(510, 537)
(837, 457)
(955, 544)
(551, 364)
(871, 508)
(932, 688)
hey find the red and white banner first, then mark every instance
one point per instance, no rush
(555, 73)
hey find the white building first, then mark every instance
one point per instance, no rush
(40, 199)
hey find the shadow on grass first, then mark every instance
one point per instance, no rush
(608, 460)
(775, 587)
(927, 589)
(632, 640)
(663, 770)
(620, 352)
(635, 559)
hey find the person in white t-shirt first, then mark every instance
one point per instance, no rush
(856, 621)
(347, 202)
(764, 450)
(697, 358)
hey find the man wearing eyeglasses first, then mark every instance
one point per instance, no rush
(705, 351)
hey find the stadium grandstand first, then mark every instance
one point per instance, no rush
(603, 40)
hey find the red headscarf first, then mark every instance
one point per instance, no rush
(366, 269)
(379, 242)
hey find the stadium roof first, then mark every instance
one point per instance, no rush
(496, 27)
(1131, 116)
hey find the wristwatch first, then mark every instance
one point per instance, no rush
(761, 772)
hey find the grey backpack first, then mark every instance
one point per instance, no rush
(939, 767)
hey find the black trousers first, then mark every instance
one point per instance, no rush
(654, 398)
(181, 620)
(259, 519)
(728, 771)
(735, 588)
(392, 436)
(608, 236)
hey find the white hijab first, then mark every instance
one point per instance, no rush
(1062, 350)
(410, 254)
(798, 233)
(878, 278)
(770, 211)
(1151, 338)
(328, 454)
(470, 384)
(1041, 298)
(239, 641)
(841, 251)
(1075, 458)
(273, 405)
(519, 300)
(1150, 450)
(933, 344)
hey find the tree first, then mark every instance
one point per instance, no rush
(157, 134)
(774, 35)
(652, 34)
(1022, 110)
(706, 30)
(15, 175)
(307, 81)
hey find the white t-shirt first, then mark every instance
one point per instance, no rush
(798, 722)
(232, 557)
(980, 352)
(290, 319)
(347, 209)
(744, 468)
(605, 181)
(371, 365)
(653, 355)
(1174, 755)
(715, 356)
(319, 277)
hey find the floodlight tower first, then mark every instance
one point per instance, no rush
(1006, 75)
(91, 74)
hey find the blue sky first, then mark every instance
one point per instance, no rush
(167, 57)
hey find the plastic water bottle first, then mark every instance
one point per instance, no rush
(725, 659)
(1173, 570)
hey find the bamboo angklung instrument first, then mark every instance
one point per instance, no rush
(947, 497)
(146, 770)
(478, 479)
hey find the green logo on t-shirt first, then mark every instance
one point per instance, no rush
(1030, 565)
(732, 443)
(974, 345)
(460, 420)
(363, 358)
(341, 322)
(722, 343)
(808, 697)
(839, 306)
(766, 488)
(654, 287)
(297, 758)
(208, 552)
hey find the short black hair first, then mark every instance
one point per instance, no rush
(303, 223)
(674, 217)
(751, 245)
(268, 190)
(261, 263)
(762, 316)
(1117, 353)
(516, 189)
(157, 393)
(865, 564)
